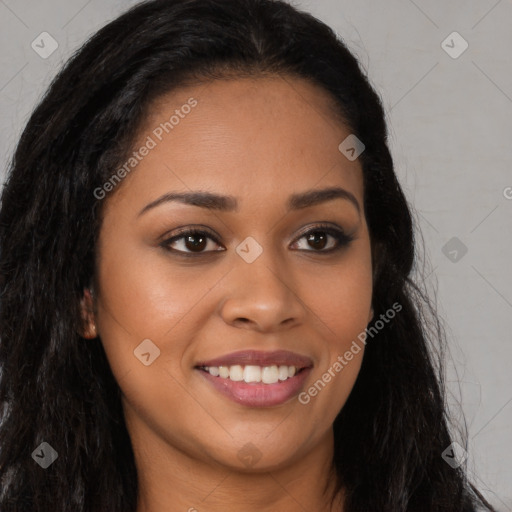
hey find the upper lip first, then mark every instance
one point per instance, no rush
(259, 358)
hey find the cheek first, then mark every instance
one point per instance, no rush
(136, 302)
(342, 296)
(144, 309)
(342, 303)
(142, 292)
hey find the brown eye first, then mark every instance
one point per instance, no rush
(324, 239)
(192, 242)
(195, 242)
(317, 239)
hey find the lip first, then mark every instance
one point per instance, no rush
(259, 358)
(257, 394)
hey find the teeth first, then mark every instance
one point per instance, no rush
(252, 373)
(283, 372)
(270, 375)
(236, 372)
(224, 372)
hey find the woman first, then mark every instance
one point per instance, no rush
(206, 291)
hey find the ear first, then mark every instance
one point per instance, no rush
(87, 313)
(371, 315)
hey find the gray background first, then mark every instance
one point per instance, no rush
(450, 123)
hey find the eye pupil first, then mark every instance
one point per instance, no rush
(199, 244)
(317, 237)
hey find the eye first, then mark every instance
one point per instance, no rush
(191, 241)
(194, 242)
(318, 239)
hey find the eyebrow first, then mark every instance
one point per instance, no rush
(218, 202)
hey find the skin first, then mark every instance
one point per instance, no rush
(258, 140)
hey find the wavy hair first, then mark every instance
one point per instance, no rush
(57, 387)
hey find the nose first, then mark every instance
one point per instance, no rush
(261, 297)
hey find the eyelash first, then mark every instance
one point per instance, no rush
(341, 238)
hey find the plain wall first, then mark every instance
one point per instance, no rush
(450, 122)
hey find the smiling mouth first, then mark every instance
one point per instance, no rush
(253, 374)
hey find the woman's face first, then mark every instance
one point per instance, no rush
(266, 281)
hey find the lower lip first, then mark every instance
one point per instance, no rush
(257, 394)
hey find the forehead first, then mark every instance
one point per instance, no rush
(256, 138)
